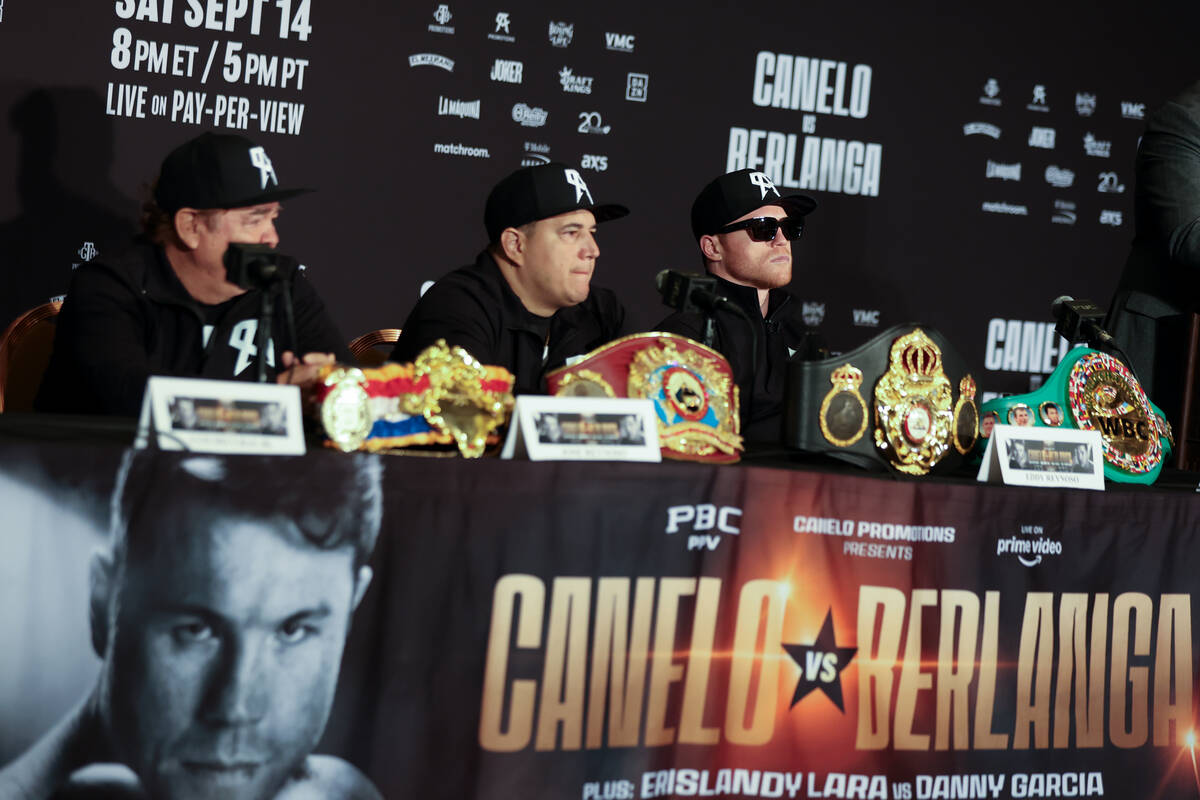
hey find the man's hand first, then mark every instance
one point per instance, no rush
(303, 371)
(77, 740)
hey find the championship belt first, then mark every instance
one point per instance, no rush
(692, 387)
(444, 397)
(1094, 391)
(887, 404)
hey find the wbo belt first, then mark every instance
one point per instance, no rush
(692, 387)
(887, 404)
(444, 397)
(1093, 391)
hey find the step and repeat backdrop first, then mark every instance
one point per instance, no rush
(970, 165)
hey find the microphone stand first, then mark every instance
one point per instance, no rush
(266, 311)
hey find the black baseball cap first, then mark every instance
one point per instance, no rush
(540, 192)
(218, 170)
(736, 194)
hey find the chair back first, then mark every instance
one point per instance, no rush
(366, 347)
(25, 349)
(1187, 438)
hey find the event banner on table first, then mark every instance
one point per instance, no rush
(637, 631)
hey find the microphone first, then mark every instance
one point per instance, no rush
(256, 266)
(1080, 321)
(689, 291)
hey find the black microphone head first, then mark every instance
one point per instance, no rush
(1059, 302)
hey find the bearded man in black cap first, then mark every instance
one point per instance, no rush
(167, 307)
(527, 303)
(745, 229)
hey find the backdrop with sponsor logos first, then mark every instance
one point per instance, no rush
(681, 630)
(970, 166)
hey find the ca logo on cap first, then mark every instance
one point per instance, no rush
(581, 188)
(763, 183)
(258, 157)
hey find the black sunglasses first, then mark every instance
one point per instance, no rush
(763, 229)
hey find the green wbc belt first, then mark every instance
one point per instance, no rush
(1093, 391)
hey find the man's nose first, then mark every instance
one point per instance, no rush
(237, 691)
(270, 236)
(591, 248)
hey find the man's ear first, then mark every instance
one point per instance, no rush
(512, 242)
(360, 585)
(709, 247)
(102, 583)
(186, 222)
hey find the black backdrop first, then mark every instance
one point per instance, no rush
(392, 212)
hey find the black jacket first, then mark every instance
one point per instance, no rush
(761, 384)
(474, 308)
(128, 318)
(1161, 282)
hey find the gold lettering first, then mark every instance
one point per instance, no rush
(1033, 688)
(1173, 675)
(876, 658)
(492, 735)
(912, 679)
(1141, 607)
(619, 656)
(695, 687)
(564, 676)
(1087, 690)
(956, 668)
(746, 653)
(985, 700)
(663, 669)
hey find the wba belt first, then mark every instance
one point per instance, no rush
(890, 403)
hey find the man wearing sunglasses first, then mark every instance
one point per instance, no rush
(745, 229)
(527, 303)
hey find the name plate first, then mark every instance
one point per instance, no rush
(582, 429)
(209, 416)
(1059, 457)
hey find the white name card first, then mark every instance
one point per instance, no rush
(209, 416)
(547, 428)
(1037, 456)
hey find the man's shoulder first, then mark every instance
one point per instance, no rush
(477, 280)
(689, 324)
(1180, 115)
(128, 269)
(464, 307)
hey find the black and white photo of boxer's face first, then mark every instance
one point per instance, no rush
(222, 643)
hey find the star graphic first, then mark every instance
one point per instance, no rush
(821, 664)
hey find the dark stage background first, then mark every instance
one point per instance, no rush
(402, 115)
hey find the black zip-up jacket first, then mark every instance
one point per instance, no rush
(474, 308)
(1160, 286)
(761, 385)
(130, 317)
